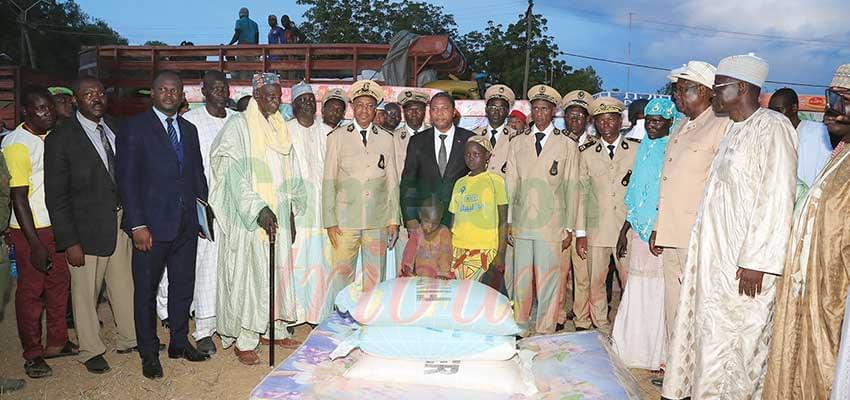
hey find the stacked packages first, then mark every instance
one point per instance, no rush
(449, 333)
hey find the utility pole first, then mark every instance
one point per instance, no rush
(629, 68)
(26, 43)
(528, 15)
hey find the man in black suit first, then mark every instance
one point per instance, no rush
(82, 200)
(160, 176)
(435, 161)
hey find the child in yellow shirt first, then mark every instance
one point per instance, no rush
(480, 208)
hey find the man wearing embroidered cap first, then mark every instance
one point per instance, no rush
(737, 246)
(256, 191)
(543, 194)
(605, 168)
(312, 256)
(805, 359)
(333, 109)
(690, 150)
(360, 198)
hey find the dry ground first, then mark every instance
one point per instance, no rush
(221, 378)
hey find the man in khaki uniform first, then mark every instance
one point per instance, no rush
(605, 167)
(413, 104)
(689, 155)
(360, 198)
(576, 106)
(499, 100)
(542, 194)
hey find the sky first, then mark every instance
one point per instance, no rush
(803, 41)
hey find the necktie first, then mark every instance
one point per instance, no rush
(611, 151)
(110, 154)
(442, 158)
(175, 141)
(493, 137)
(363, 133)
(539, 144)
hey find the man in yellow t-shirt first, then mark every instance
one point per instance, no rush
(480, 208)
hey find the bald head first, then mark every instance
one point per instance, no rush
(786, 102)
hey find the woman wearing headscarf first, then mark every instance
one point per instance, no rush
(639, 332)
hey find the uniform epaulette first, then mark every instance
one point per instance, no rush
(587, 145)
(556, 131)
(351, 127)
(572, 136)
(633, 139)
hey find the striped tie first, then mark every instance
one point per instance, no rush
(110, 154)
(175, 141)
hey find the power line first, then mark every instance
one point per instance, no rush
(656, 68)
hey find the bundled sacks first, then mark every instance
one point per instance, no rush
(415, 343)
(450, 333)
(463, 305)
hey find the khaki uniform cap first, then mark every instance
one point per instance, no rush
(500, 92)
(543, 92)
(366, 88)
(578, 98)
(604, 105)
(409, 96)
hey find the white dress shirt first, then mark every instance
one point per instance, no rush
(162, 119)
(90, 127)
(450, 136)
(548, 131)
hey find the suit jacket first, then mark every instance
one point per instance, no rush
(421, 175)
(603, 181)
(81, 197)
(154, 189)
(360, 185)
(688, 158)
(543, 190)
(499, 160)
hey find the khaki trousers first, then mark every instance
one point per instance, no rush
(591, 304)
(674, 263)
(373, 243)
(569, 263)
(86, 281)
(400, 244)
(537, 265)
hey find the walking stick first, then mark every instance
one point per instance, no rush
(271, 301)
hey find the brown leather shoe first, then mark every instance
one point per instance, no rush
(285, 343)
(249, 357)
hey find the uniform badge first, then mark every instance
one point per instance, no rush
(624, 145)
(382, 165)
(599, 148)
(557, 131)
(403, 134)
(554, 169)
(627, 178)
(351, 128)
(505, 168)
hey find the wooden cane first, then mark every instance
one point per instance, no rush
(271, 301)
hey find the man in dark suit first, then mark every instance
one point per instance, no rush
(435, 161)
(160, 176)
(82, 200)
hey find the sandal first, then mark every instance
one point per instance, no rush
(37, 368)
(68, 349)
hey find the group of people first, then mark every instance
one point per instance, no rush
(246, 30)
(727, 289)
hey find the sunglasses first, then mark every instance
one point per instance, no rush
(835, 101)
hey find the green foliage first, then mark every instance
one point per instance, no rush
(372, 21)
(499, 51)
(155, 43)
(57, 30)
(668, 89)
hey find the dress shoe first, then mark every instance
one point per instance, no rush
(68, 349)
(206, 345)
(165, 324)
(151, 368)
(97, 365)
(136, 349)
(580, 329)
(11, 385)
(559, 327)
(37, 368)
(249, 357)
(285, 343)
(187, 352)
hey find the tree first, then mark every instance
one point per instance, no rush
(155, 43)
(372, 21)
(668, 89)
(499, 51)
(57, 30)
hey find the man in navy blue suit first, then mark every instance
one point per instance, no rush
(160, 174)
